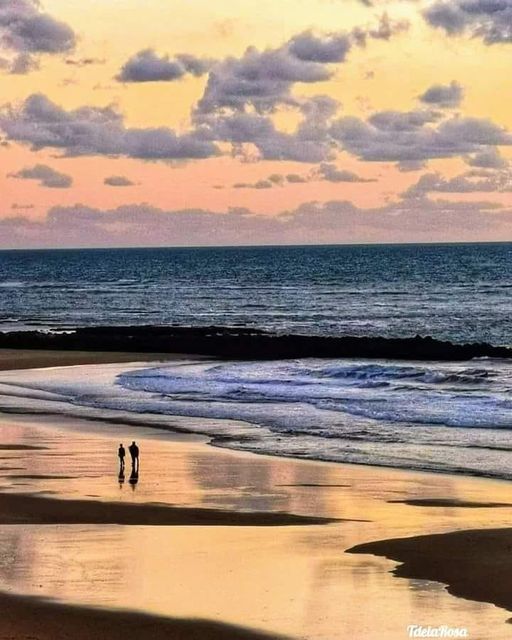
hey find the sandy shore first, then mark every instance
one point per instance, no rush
(30, 509)
(31, 619)
(251, 560)
(38, 358)
(476, 565)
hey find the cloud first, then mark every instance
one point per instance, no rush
(487, 158)
(490, 20)
(330, 48)
(259, 184)
(46, 176)
(23, 63)
(21, 207)
(441, 95)
(411, 165)
(274, 180)
(469, 182)
(27, 30)
(393, 136)
(386, 28)
(260, 79)
(308, 143)
(295, 178)
(236, 108)
(328, 171)
(84, 62)
(263, 79)
(118, 181)
(88, 130)
(412, 219)
(147, 66)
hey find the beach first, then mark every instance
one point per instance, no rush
(218, 543)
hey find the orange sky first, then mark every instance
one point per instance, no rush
(388, 73)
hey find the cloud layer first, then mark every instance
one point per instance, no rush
(41, 123)
(414, 218)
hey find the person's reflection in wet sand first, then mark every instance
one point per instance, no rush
(121, 452)
(134, 478)
(121, 478)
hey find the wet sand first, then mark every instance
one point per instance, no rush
(476, 565)
(64, 537)
(25, 618)
(30, 509)
(450, 502)
(11, 359)
(295, 581)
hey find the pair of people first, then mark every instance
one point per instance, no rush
(134, 453)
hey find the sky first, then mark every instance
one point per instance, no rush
(187, 122)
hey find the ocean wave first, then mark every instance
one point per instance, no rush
(380, 392)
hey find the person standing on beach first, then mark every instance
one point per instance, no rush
(121, 453)
(134, 452)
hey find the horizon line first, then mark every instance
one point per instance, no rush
(260, 246)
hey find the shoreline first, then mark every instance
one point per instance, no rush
(487, 500)
(20, 359)
(473, 564)
(172, 423)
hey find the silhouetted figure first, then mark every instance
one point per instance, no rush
(134, 452)
(134, 477)
(121, 452)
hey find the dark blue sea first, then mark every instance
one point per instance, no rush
(455, 292)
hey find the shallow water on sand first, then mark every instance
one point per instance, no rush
(294, 580)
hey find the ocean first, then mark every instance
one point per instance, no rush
(453, 292)
(447, 417)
